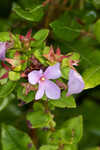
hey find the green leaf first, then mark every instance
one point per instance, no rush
(28, 3)
(14, 76)
(15, 139)
(39, 56)
(34, 15)
(46, 50)
(91, 76)
(75, 125)
(39, 37)
(4, 36)
(65, 72)
(49, 147)
(64, 101)
(7, 88)
(69, 133)
(26, 98)
(41, 34)
(4, 102)
(65, 28)
(65, 64)
(38, 119)
(73, 56)
(17, 42)
(97, 30)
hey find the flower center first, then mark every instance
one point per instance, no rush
(42, 78)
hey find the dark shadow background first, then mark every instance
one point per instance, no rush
(5, 7)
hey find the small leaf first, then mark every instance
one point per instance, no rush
(26, 98)
(14, 76)
(13, 139)
(64, 101)
(38, 119)
(4, 36)
(39, 56)
(72, 57)
(65, 72)
(7, 88)
(17, 42)
(41, 34)
(39, 37)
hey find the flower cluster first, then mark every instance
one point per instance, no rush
(52, 91)
(39, 74)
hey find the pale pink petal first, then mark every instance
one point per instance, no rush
(53, 72)
(34, 76)
(40, 91)
(52, 90)
(3, 48)
(75, 83)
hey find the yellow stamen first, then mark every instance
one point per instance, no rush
(42, 79)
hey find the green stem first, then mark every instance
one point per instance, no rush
(47, 110)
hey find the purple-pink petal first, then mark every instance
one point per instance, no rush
(40, 91)
(75, 83)
(46, 86)
(52, 91)
(34, 76)
(3, 48)
(53, 72)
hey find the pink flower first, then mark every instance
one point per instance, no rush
(46, 86)
(75, 83)
(3, 48)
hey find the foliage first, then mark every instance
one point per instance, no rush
(40, 34)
